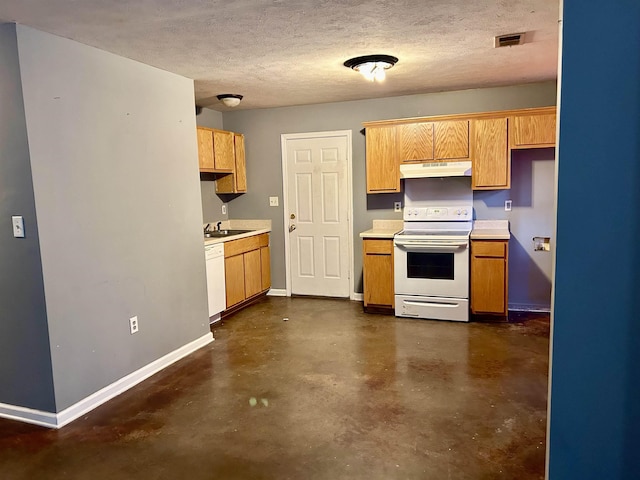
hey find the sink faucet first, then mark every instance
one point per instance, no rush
(218, 226)
(206, 228)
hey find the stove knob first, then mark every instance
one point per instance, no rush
(464, 212)
(458, 212)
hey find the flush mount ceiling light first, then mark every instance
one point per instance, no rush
(230, 99)
(372, 67)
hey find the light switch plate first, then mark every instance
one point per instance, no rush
(273, 201)
(507, 205)
(18, 226)
(224, 208)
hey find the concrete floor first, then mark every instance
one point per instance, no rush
(332, 393)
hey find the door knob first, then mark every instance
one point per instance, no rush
(292, 216)
(291, 228)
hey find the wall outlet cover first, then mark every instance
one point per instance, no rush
(273, 201)
(397, 206)
(18, 226)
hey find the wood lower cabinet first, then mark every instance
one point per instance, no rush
(377, 266)
(265, 260)
(532, 131)
(491, 166)
(234, 279)
(247, 268)
(383, 174)
(489, 277)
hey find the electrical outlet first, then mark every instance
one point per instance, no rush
(224, 208)
(397, 206)
(507, 205)
(133, 325)
(273, 201)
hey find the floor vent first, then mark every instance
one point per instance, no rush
(509, 40)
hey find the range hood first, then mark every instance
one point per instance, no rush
(435, 169)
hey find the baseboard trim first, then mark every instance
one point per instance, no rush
(357, 297)
(523, 307)
(28, 415)
(66, 416)
(277, 292)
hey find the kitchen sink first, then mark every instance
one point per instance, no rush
(224, 233)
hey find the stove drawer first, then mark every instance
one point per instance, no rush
(434, 308)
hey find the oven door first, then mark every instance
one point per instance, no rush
(431, 267)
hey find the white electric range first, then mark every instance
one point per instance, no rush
(431, 253)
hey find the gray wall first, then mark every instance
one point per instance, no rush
(211, 202)
(532, 215)
(115, 174)
(262, 129)
(25, 359)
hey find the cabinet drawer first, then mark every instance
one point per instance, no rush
(242, 245)
(488, 249)
(378, 246)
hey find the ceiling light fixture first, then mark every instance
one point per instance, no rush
(372, 67)
(230, 99)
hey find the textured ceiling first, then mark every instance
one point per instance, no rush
(280, 53)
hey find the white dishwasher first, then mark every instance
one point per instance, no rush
(214, 255)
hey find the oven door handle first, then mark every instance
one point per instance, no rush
(423, 248)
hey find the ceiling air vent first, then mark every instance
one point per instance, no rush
(509, 40)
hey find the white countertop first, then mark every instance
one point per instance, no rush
(490, 230)
(383, 229)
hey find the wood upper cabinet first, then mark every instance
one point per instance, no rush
(433, 141)
(416, 142)
(377, 273)
(383, 174)
(237, 181)
(215, 150)
(489, 277)
(491, 164)
(485, 138)
(451, 140)
(532, 131)
(247, 268)
(205, 150)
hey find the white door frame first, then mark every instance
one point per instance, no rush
(285, 189)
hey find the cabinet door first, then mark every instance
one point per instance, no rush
(223, 150)
(378, 273)
(252, 273)
(240, 172)
(265, 260)
(451, 140)
(234, 279)
(491, 162)
(205, 150)
(489, 263)
(416, 142)
(533, 131)
(383, 174)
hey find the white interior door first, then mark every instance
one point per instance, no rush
(317, 206)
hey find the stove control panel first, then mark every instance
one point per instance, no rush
(462, 213)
